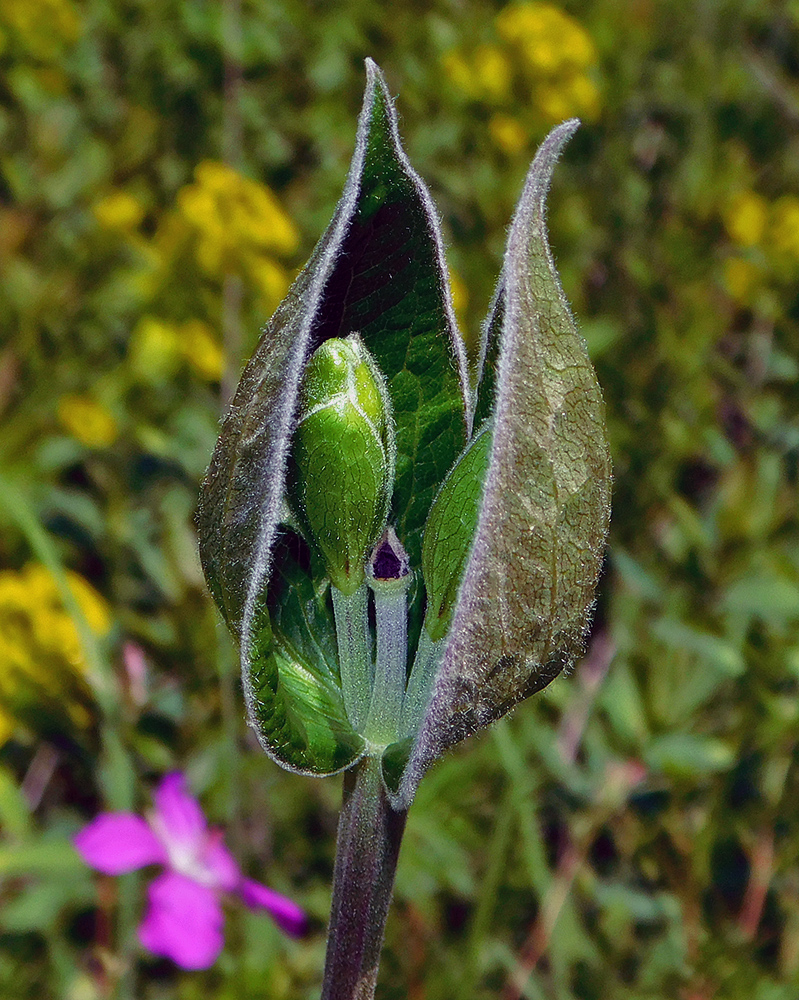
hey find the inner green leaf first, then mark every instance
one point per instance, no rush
(295, 684)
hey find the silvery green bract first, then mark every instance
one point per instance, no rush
(518, 530)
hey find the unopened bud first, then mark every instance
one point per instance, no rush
(343, 457)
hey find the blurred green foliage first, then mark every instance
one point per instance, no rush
(164, 169)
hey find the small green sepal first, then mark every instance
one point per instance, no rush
(450, 530)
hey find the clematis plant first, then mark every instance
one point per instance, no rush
(184, 918)
(403, 546)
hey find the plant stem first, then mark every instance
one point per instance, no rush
(352, 635)
(369, 837)
(232, 141)
(391, 626)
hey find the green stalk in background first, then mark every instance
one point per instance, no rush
(117, 777)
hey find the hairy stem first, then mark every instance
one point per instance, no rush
(352, 635)
(369, 837)
(391, 626)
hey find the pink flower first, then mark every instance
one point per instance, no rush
(184, 918)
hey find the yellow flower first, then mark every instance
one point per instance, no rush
(460, 294)
(460, 73)
(118, 210)
(492, 72)
(87, 420)
(551, 52)
(520, 22)
(159, 348)
(745, 218)
(202, 350)
(42, 662)
(783, 231)
(549, 40)
(741, 279)
(258, 217)
(52, 626)
(579, 49)
(583, 95)
(508, 134)
(155, 349)
(233, 217)
(553, 103)
(270, 279)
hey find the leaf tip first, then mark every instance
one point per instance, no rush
(543, 166)
(374, 76)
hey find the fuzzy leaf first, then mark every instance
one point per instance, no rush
(378, 270)
(527, 592)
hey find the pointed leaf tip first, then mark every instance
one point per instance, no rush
(533, 199)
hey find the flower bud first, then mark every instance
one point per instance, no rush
(450, 530)
(343, 457)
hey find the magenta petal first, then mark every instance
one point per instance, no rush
(220, 863)
(286, 914)
(183, 922)
(178, 815)
(115, 843)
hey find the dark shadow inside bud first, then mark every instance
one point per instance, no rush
(389, 559)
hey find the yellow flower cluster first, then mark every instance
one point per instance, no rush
(42, 27)
(42, 662)
(87, 420)
(240, 227)
(767, 235)
(543, 57)
(158, 348)
(227, 223)
(484, 74)
(550, 41)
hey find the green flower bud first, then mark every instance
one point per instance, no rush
(450, 530)
(343, 457)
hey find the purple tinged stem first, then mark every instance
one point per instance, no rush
(369, 837)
